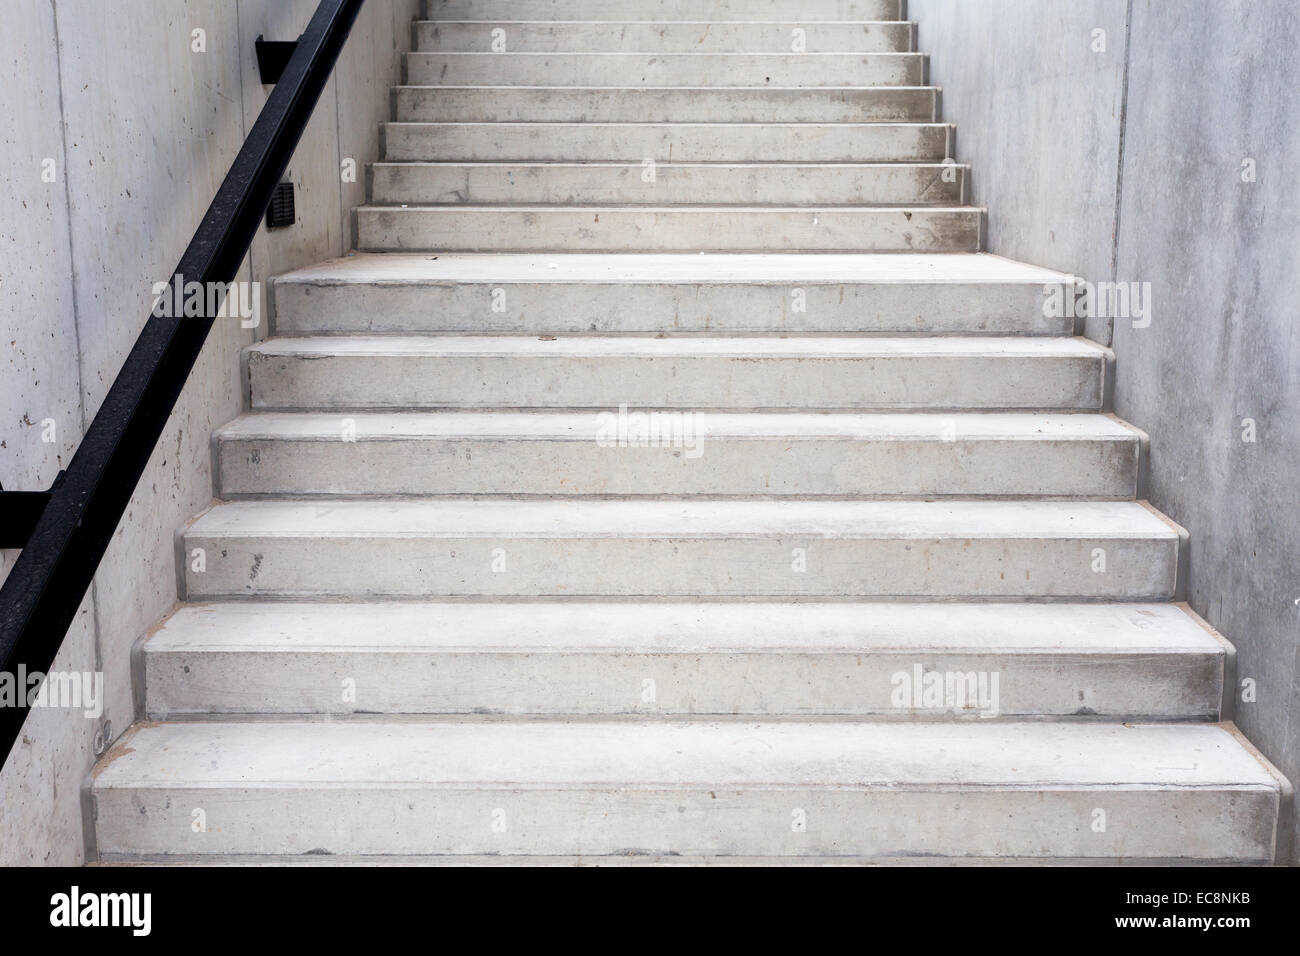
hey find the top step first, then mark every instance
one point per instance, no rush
(799, 11)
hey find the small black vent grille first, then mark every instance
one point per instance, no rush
(281, 212)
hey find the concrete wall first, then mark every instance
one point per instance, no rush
(1134, 163)
(116, 136)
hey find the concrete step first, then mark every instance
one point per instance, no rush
(658, 228)
(642, 36)
(635, 453)
(1120, 661)
(751, 184)
(696, 548)
(641, 861)
(567, 104)
(851, 789)
(736, 374)
(679, 294)
(799, 11)
(677, 142)
(667, 69)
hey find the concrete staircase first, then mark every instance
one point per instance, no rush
(632, 498)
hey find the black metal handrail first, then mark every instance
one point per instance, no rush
(79, 514)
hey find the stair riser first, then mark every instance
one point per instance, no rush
(433, 36)
(1116, 685)
(486, 229)
(604, 307)
(759, 564)
(703, 143)
(621, 10)
(709, 466)
(1148, 822)
(666, 69)
(699, 105)
(703, 382)
(669, 184)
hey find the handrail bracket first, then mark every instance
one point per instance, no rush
(272, 58)
(19, 512)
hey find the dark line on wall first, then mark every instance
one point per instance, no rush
(239, 73)
(95, 630)
(1119, 172)
(263, 330)
(92, 601)
(345, 230)
(67, 201)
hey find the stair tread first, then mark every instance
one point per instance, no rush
(556, 126)
(920, 209)
(664, 54)
(811, 346)
(682, 519)
(683, 628)
(605, 10)
(812, 69)
(581, 426)
(538, 90)
(766, 87)
(512, 227)
(431, 22)
(550, 183)
(768, 103)
(668, 859)
(773, 269)
(681, 755)
(784, 166)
